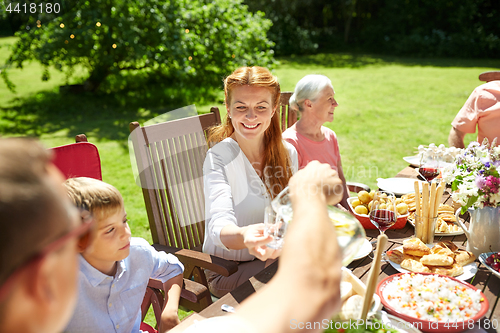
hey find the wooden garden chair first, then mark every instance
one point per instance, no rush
(82, 159)
(169, 158)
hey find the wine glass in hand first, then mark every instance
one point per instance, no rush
(429, 168)
(383, 212)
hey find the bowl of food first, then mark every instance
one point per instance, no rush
(491, 260)
(432, 302)
(361, 204)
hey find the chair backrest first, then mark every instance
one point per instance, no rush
(288, 116)
(80, 159)
(170, 157)
(489, 76)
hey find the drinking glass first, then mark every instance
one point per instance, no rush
(429, 167)
(383, 212)
(275, 226)
(350, 233)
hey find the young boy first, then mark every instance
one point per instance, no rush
(115, 269)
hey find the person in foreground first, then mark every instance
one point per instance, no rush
(482, 109)
(115, 269)
(242, 173)
(40, 229)
(306, 287)
(314, 98)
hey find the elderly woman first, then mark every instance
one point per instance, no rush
(243, 172)
(314, 98)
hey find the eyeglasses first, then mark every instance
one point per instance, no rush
(82, 232)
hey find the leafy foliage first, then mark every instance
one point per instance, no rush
(457, 28)
(180, 40)
(436, 28)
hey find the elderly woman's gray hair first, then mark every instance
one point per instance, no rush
(309, 87)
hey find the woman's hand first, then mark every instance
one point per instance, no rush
(255, 240)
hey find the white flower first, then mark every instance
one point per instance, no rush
(459, 198)
(495, 198)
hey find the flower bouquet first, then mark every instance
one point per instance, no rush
(474, 176)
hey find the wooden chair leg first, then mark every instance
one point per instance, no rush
(146, 303)
(153, 297)
(157, 301)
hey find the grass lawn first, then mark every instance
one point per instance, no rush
(388, 106)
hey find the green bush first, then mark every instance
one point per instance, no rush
(457, 28)
(187, 40)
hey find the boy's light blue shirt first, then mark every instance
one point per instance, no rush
(113, 304)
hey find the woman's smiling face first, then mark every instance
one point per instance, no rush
(251, 110)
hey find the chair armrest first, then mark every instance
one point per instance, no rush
(190, 291)
(219, 265)
(357, 187)
(489, 76)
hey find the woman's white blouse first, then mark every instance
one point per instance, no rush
(234, 194)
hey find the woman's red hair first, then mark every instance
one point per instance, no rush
(277, 165)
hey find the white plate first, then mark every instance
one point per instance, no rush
(455, 233)
(482, 259)
(415, 161)
(469, 270)
(364, 250)
(412, 160)
(398, 186)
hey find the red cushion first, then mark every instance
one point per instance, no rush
(78, 160)
(146, 328)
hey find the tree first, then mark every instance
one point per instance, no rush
(182, 40)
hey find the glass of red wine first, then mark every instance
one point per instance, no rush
(429, 168)
(383, 212)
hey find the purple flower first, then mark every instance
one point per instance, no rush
(480, 182)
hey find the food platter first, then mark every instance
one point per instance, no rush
(469, 269)
(421, 283)
(398, 186)
(482, 259)
(455, 233)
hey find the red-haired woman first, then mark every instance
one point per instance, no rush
(243, 172)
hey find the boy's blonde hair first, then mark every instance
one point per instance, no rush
(101, 199)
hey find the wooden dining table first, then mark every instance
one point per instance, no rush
(484, 280)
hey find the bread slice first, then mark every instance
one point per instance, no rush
(448, 217)
(414, 265)
(463, 257)
(454, 270)
(443, 250)
(449, 245)
(436, 260)
(396, 256)
(415, 247)
(443, 208)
